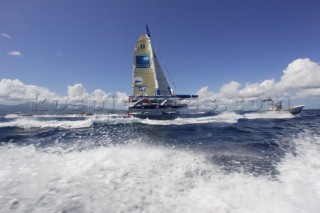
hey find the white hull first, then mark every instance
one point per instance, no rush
(295, 109)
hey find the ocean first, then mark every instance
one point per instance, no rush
(205, 162)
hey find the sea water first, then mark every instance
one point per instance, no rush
(254, 162)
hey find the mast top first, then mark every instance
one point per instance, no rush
(148, 31)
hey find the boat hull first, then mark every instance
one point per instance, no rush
(295, 109)
(156, 116)
(157, 113)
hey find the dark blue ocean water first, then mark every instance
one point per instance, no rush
(254, 162)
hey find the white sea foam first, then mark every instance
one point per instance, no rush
(138, 178)
(33, 122)
(226, 117)
(300, 173)
(269, 115)
(11, 116)
(54, 121)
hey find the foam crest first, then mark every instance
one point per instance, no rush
(269, 115)
(11, 116)
(300, 172)
(63, 121)
(226, 117)
(33, 122)
(56, 121)
(139, 178)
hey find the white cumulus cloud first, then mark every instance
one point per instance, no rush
(14, 89)
(77, 91)
(301, 73)
(257, 89)
(301, 79)
(230, 90)
(315, 92)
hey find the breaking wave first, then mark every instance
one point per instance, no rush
(76, 121)
(137, 177)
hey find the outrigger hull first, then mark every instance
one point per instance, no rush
(155, 114)
(156, 108)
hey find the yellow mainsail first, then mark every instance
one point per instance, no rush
(144, 76)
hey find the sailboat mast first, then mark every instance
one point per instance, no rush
(154, 71)
(153, 64)
(148, 31)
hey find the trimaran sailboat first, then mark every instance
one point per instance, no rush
(152, 96)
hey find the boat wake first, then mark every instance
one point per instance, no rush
(268, 115)
(137, 177)
(75, 121)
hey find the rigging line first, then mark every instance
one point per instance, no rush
(165, 66)
(167, 71)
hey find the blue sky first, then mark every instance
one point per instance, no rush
(202, 43)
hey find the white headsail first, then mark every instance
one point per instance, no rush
(163, 85)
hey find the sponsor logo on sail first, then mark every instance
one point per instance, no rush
(138, 80)
(143, 61)
(143, 89)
